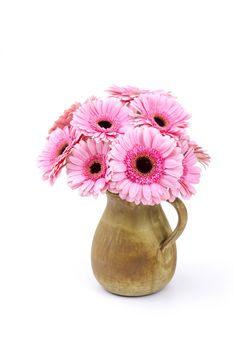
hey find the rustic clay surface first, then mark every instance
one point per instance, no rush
(133, 250)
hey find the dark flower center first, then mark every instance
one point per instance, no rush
(62, 149)
(104, 124)
(160, 121)
(144, 165)
(95, 168)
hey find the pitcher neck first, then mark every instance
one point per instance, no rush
(115, 201)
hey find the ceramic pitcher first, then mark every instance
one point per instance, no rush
(134, 249)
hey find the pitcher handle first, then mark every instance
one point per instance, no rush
(182, 221)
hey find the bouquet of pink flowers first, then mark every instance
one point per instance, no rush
(133, 143)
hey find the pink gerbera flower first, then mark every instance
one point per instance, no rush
(144, 165)
(58, 147)
(65, 118)
(160, 111)
(102, 120)
(191, 173)
(126, 94)
(201, 155)
(87, 167)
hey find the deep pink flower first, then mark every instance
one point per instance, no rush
(191, 173)
(87, 167)
(65, 118)
(144, 165)
(58, 147)
(102, 120)
(160, 111)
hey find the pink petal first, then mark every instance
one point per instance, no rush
(133, 190)
(146, 192)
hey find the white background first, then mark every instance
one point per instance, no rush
(52, 54)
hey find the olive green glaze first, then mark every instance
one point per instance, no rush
(134, 250)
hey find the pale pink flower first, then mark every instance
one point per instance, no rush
(191, 173)
(202, 155)
(91, 98)
(128, 93)
(65, 118)
(102, 120)
(87, 167)
(58, 147)
(125, 93)
(160, 111)
(144, 166)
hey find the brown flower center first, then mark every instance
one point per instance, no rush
(95, 168)
(62, 149)
(104, 124)
(144, 165)
(160, 121)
